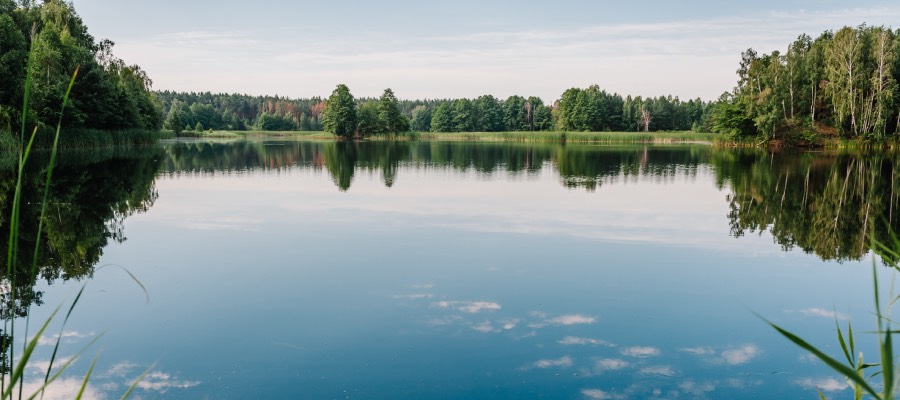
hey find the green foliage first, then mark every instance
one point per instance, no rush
(729, 117)
(844, 81)
(339, 117)
(368, 121)
(174, 122)
(390, 119)
(198, 127)
(239, 112)
(109, 94)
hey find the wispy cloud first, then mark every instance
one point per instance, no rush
(564, 320)
(610, 364)
(699, 351)
(583, 341)
(823, 384)
(471, 307)
(821, 312)
(641, 351)
(689, 57)
(597, 394)
(562, 362)
(659, 370)
(162, 382)
(741, 355)
(65, 337)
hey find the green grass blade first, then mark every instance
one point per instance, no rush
(87, 377)
(137, 381)
(133, 277)
(847, 352)
(19, 370)
(59, 338)
(66, 365)
(887, 365)
(842, 369)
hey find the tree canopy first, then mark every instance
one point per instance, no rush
(108, 94)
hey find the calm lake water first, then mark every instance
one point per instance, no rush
(286, 269)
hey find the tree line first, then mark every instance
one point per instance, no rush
(48, 41)
(590, 109)
(239, 112)
(840, 83)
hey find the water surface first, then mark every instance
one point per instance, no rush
(285, 269)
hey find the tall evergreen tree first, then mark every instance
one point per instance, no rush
(340, 112)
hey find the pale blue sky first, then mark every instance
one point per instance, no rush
(459, 48)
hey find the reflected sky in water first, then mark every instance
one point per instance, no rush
(459, 281)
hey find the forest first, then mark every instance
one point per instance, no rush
(108, 94)
(841, 84)
(589, 109)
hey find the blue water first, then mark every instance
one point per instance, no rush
(453, 283)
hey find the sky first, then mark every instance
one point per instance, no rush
(462, 48)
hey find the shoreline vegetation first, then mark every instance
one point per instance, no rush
(673, 137)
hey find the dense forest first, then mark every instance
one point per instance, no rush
(841, 83)
(108, 93)
(590, 109)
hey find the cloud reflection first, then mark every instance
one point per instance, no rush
(741, 355)
(162, 382)
(611, 364)
(583, 341)
(471, 307)
(562, 362)
(821, 312)
(825, 385)
(597, 394)
(641, 351)
(660, 370)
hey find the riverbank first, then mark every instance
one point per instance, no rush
(785, 141)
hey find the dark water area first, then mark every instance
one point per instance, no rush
(303, 269)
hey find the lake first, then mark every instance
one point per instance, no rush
(441, 270)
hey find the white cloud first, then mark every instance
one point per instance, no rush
(449, 320)
(661, 370)
(597, 394)
(122, 369)
(508, 324)
(162, 382)
(821, 312)
(611, 364)
(65, 337)
(60, 389)
(699, 351)
(825, 385)
(471, 307)
(695, 388)
(485, 327)
(641, 351)
(573, 319)
(583, 341)
(741, 355)
(563, 362)
(414, 296)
